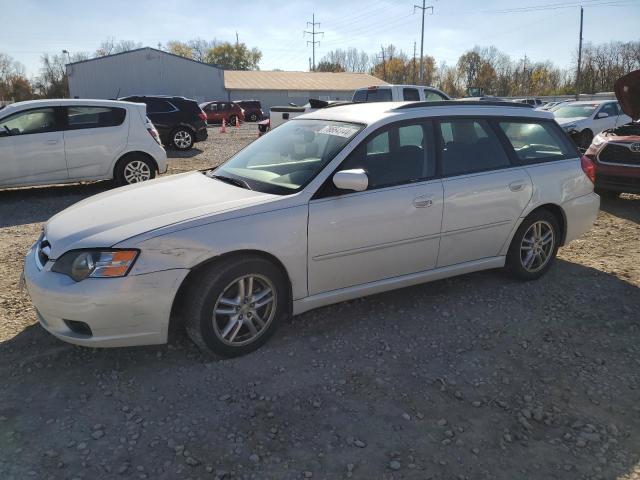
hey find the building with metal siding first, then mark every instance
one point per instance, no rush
(145, 71)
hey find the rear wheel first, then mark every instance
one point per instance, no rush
(534, 246)
(236, 305)
(585, 137)
(232, 120)
(182, 139)
(134, 168)
(253, 117)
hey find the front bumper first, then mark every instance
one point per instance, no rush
(120, 312)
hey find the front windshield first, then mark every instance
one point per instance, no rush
(575, 111)
(290, 156)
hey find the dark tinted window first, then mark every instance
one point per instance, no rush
(410, 94)
(94, 117)
(37, 120)
(534, 141)
(470, 146)
(398, 155)
(156, 105)
(610, 109)
(373, 95)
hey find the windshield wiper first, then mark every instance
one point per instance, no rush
(233, 181)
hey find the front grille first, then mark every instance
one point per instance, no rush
(622, 154)
(43, 250)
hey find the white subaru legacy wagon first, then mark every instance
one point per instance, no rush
(340, 203)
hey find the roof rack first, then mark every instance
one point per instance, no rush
(474, 103)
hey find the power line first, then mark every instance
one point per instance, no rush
(313, 40)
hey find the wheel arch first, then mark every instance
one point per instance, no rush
(175, 319)
(553, 208)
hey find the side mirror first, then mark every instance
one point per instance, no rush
(355, 179)
(602, 115)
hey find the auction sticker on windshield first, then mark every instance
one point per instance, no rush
(338, 131)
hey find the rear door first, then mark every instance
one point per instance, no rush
(484, 194)
(94, 137)
(600, 124)
(392, 228)
(32, 147)
(623, 118)
(162, 113)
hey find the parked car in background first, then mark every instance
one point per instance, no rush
(180, 121)
(343, 202)
(399, 93)
(616, 151)
(61, 141)
(534, 102)
(252, 109)
(216, 112)
(585, 119)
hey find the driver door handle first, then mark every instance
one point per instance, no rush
(51, 142)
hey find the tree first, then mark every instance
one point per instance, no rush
(111, 47)
(350, 60)
(52, 82)
(326, 66)
(14, 85)
(234, 56)
(180, 48)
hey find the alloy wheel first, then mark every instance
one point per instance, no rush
(244, 310)
(182, 139)
(537, 246)
(136, 171)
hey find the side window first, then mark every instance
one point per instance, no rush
(610, 109)
(94, 117)
(410, 94)
(379, 95)
(431, 96)
(534, 142)
(468, 146)
(38, 120)
(397, 156)
(360, 96)
(155, 105)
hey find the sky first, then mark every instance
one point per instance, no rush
(541, 29)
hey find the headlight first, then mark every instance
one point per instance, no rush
(598, 140)
(571, 126)
(82, 264)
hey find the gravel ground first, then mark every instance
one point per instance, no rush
(475, 377)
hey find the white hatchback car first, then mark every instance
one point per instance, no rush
(585, 119)
(340, 203)
(61, 141)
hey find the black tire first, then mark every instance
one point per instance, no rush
(182, 139)
(127, 166)
(203, 295)
(232, 120)
(253, 117)
(515, 261)
(585, 137)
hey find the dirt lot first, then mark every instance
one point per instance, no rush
(476, 377)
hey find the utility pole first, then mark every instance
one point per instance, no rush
(237, 42)
(579, 56)
(413, 76)
(313, 40)
(384, 65)
(423, 8)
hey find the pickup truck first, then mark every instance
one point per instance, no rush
(399, 93)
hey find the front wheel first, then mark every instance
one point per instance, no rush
(585, 138)
(253, 117)
(182, 139)
(534, 246)
(236, 305)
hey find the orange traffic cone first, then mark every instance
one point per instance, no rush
(223, 129)
(237, 122)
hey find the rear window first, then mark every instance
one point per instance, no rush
(410, 94)
(372, 95)
(81, 117)
(535, 142)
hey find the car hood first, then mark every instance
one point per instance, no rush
(114, 216)
(627, 90)
(567, 121)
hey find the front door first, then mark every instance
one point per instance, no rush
(392, 228)
(32, 147)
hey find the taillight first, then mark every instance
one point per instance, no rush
(588, 167)
(154, 133)
(202, 115)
